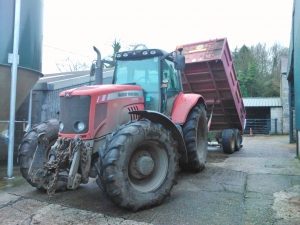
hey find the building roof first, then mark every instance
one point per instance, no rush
(262, 102)
(68, 79)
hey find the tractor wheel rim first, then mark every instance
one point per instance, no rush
(232, 141)
(148, 167)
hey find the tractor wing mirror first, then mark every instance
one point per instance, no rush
(179, 62)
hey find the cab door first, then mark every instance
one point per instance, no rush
(169, 74)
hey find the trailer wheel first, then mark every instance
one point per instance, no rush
(29, 144)
(139, 165)
(228, 141)
(237, 139)
(195, 137)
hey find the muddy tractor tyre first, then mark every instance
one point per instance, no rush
(29, 144)
(237, 139)
(195, 137)
(139, 165)
(228, 141)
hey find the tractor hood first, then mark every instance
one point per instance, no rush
(101, 90)
(95, 111)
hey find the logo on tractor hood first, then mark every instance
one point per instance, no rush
(125, 94)
(122, 94)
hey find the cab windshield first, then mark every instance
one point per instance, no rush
(142, 72)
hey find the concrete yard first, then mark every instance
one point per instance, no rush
(260, 184)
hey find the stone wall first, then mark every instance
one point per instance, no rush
(285, 104)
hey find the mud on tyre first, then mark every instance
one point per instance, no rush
(195, 137)
(29, 144)
(139, 165)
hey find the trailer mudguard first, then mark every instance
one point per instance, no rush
(157, 117)
(183, 105)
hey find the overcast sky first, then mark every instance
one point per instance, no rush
(73, 27)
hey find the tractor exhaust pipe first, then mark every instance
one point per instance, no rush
(98, 69)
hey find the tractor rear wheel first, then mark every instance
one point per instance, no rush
(29, 145)
(228, 141)
(195, 137)
(139, 165)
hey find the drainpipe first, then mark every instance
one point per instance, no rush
(14, 74)
(28, 127)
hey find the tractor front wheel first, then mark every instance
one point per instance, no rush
(29, 145)
(139, 165)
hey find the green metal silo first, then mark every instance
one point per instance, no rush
(31, 32)
(30, 51)
(21, 33)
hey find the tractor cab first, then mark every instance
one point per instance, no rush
(156, 71)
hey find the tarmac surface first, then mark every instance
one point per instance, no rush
(260, 184)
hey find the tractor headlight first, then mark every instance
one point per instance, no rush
(79, 126)
(61, 126)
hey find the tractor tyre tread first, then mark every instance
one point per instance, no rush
(29, 144)
(114, 170)
(196, 162)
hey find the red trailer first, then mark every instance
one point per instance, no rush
(210, 71)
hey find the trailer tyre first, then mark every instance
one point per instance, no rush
(228, 141)
(237, 139)
(195, 137)
(139, 165)
(29, 144)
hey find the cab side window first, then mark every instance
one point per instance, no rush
(169, 73)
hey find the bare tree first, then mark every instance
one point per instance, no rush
(70, 65)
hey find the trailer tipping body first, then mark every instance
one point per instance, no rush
(210, 71)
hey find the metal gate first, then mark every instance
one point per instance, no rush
(261, 126)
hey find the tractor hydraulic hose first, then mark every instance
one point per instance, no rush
(211, 114)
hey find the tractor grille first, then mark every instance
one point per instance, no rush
(75, 108)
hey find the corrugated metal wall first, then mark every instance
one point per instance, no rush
(294, 71)
(294, 62)
(296, 47)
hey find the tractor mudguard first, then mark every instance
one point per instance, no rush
(159, 118)
(183, 105)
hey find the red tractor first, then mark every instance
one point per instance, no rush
(133, 134)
